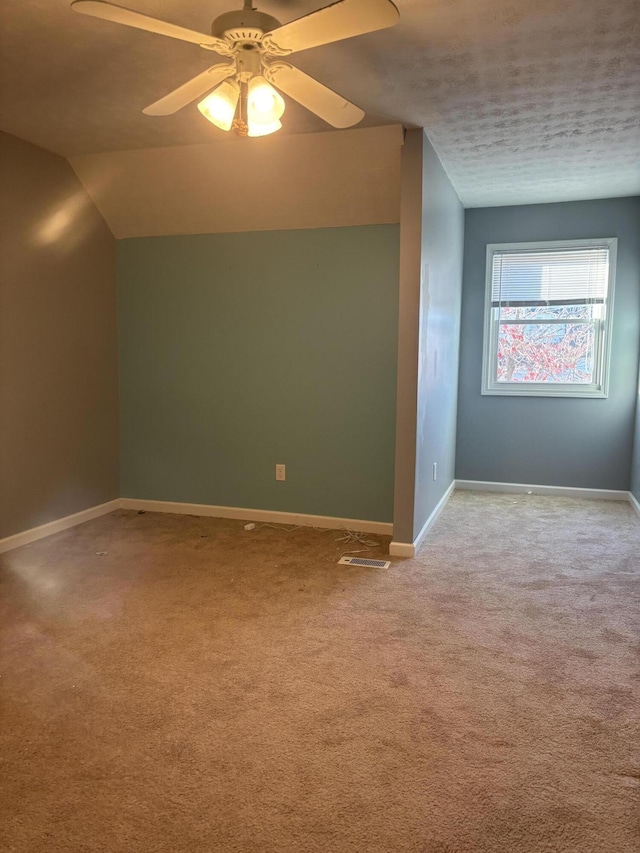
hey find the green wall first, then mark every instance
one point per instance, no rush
(240, 351)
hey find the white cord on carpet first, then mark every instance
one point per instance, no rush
(350, 536)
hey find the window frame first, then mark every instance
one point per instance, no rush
(598, 389)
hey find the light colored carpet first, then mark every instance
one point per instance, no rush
(204, 689)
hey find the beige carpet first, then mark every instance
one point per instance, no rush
(200, 688)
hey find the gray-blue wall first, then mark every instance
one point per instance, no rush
(585, 443)
(441, 291)
(635, 465)
(241, 351)
(431, 248)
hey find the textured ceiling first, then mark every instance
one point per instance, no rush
(524, 102)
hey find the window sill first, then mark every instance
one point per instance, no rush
(584, 393)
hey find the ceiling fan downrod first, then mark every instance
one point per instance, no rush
(243, 25)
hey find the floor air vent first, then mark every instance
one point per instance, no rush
(362, 561)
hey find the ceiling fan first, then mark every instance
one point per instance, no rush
(241, 90)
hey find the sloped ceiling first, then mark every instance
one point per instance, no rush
(317, 180)
(524, 102)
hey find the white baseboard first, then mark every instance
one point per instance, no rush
(35, 533)
(402, 549)
(558, 491)
(396, 549)
(434, 516)
(260, 515)
(410, 549)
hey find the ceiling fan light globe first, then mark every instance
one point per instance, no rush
(264, 104)
(219, 107)
(263, 129)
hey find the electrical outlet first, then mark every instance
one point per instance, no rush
(280, 472)
(435, 471)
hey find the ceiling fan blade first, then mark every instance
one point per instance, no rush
(341, 20)
(120, 15)
(190, 90)
(315, 96)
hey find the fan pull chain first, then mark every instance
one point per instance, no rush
(239, 125)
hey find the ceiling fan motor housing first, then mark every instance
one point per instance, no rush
(245, 25)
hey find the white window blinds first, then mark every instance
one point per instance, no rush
(570, 276)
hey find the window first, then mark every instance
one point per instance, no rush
(548, 318)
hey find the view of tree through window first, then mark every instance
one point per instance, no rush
(547, 317)
(552, 351)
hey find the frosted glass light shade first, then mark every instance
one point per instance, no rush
(257, 129)
(264, 104)
(219, 107)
